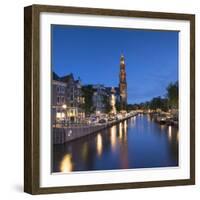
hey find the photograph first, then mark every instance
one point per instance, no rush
(114, 98)
(109, 99)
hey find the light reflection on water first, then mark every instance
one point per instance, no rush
(170, 132)
(132, 122)
(120, 130)
(66, 164)
(162, 126)
(85, 151)
(99, 144)
(125, 130)
(136, 143)
(113, 137)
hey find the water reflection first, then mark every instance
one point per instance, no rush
(85, 151)
(99, 144)
(135, 143)
(125, 130)
(125, 124)
(170, 133)
(148, 118)
(162, 126)
(113, 137)
(66, 164)
(132, 122)
(120, 131)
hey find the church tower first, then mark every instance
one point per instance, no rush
(122, 84)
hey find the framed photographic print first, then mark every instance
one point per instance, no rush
(109, 99)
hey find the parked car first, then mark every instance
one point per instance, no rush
(111, 119)
(119, 116)
(161, 118)
(93, 119)
(102, 121)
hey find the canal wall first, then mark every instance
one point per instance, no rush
(66, 134)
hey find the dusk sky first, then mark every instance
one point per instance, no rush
(93, 54)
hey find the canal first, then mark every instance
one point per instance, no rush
(138, 142)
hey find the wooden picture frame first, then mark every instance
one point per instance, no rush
(32, 107)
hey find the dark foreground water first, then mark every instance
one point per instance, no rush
(136, 143)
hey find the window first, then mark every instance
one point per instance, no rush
(63, 99)
(58, 100)
(58, 89)
(63, 89)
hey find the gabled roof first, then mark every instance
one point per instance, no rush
(63, 78)
(55, 77)
(67, 78)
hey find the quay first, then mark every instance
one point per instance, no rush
(66, 134)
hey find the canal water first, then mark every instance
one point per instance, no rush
(135, 143)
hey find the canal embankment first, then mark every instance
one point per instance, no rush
(69, 133)
(139, 142)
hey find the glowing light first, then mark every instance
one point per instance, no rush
(148, 118)
(120, 130)
(133, 119)
(125, 125)
(60, 115)
(66, 164)
(98, 112)
(125, 130)
(170, 133)
(64, 106)
(113, 137)
(99, 144)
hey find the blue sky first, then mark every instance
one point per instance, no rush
(93, 54)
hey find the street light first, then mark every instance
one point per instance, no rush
(64, 106)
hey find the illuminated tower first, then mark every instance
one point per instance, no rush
(122, 84)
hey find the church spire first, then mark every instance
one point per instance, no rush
(123, 83)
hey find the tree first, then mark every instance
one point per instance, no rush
(87, 94)
(106, 103)
(117, 105)
(172, 94)
(159, 103)
(146, 105)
